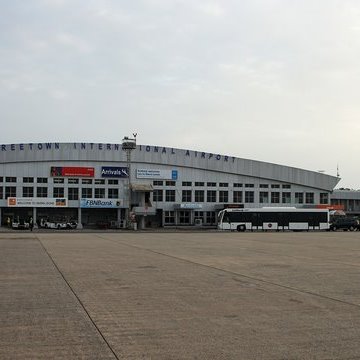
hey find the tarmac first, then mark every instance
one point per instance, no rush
(179, 295)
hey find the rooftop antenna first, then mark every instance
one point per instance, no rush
(337, 171)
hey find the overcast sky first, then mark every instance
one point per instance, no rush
(269, 80)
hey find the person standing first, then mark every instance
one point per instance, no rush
(31, 223)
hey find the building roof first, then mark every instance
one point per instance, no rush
(157, 156)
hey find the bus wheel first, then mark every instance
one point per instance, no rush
(240, 228)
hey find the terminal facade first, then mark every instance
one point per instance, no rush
(91, 184)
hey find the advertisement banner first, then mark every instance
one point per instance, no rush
(36, 202)
(100, 203)
(157, 174)
(114, 172)
(72, 171)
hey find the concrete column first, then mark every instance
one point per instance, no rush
(192, 217)
(79, 222)
(34, 218)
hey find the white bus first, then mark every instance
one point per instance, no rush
(273, 219)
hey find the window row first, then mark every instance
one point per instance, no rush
(221, 184)
(222, 196)
(72, 193)
(160, 195)
(44, 180)
(184, 217)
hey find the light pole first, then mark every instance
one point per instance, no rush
(129, 145)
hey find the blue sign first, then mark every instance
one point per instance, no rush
(114, 172)
(174, 174)
(100, 203)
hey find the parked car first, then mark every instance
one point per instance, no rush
(345, 223)
(55, 225)
(71, 224)
(60, 225)
(20, 224)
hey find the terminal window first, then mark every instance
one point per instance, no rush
(86, 193)
(223, 196)
(73, 194)
(286, 197)
(211, 184)
(28, 191)
(184, 217)
(309, 198)
(10, 191)
(41, 192)
(186, 196)
(210, 217)
(237, 196)
(113, 181)
(199, 195)
(157, 195)
(186, 183)
(113, 193)
(249, 196)
(10, 179)
(99, 193)
(28, 179)
(263, 197)
(324, 198)
(169, 217)
(58, 192)
(1, 192)
(170, 195)
(299, 198)
(275, 197)
(211, 196)
(41, 180)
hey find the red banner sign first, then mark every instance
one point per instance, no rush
(72, 171)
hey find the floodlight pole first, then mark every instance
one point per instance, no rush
(129, 145)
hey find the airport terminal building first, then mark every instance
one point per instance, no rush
(91, 184)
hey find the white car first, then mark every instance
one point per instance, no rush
(18, 224)
(54, 225)
(58, 224)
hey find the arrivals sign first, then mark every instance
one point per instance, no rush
(36, 202)
(100, 203)
(72, 171)
(114, 172)
(156, 174)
